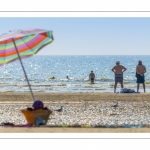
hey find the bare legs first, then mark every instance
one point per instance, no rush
(144, 87)
(115, 86)
(92, 81)
(121, 84)
(138, 85)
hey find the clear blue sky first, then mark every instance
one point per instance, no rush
(89, 36)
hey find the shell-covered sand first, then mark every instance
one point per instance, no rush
(79, 108)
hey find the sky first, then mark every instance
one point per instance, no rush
(88, 36)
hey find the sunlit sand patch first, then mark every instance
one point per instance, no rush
(88, 87)
(100, 89)
(6, 91)
(61, 85)
(103, 79)
(147, 82)
(48, 88)
(77, 85)
(110, 84)
(37, 90)
(126, 82)
(2, 82)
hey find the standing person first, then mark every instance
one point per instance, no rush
(118, 71)
(92, 77)
(140, 71)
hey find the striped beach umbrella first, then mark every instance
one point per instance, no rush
(23, 43)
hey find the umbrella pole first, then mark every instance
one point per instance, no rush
(23, 70)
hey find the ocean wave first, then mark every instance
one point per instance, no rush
(25, 79)
(88, 86)
(6, 78)
(77, 85)
(102, 79)
(64, 79)
(105, 80)
(6, 91)
(48, 88)
(38, 90)
(83, 80)
(70, 85)
(110, 84)
(35, 85)
(85, 89)
(2, 82)
(100, 89)
(25, 90)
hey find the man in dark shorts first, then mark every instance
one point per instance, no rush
(140, 71)
(118, 71)
(92, 77)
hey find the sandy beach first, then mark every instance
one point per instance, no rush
(81, 108)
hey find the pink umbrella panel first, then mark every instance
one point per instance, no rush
(28, 43)
(21, 44)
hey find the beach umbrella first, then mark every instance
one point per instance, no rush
(20, 44)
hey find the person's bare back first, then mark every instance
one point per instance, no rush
(118, 69)
(140, 69)
(92, 75)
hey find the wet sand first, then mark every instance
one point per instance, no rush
(13, 97)
(82, 99)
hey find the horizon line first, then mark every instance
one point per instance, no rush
(73, 11)
(90, 55)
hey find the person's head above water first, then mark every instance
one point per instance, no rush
(91, 71)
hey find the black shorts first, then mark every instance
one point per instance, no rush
(140, 79)
(118, 78)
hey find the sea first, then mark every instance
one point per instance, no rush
(41, 69)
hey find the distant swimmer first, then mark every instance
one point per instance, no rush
(52, 77)
(67, 77)
(92, 77)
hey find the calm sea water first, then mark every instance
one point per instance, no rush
(41, 68)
